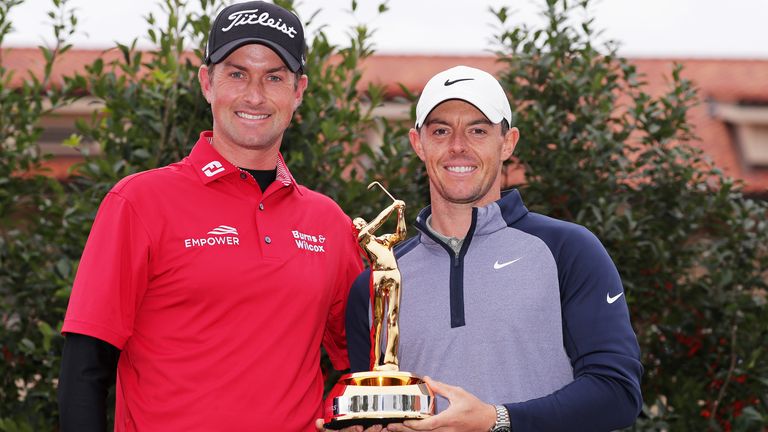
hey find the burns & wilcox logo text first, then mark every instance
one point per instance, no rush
(309, 242)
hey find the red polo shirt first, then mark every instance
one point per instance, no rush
(218, 296)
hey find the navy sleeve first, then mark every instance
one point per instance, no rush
(88, 367)
(358, 324)
(599, 339)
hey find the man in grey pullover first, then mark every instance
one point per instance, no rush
(523, 315)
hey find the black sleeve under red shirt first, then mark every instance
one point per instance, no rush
(88, 369)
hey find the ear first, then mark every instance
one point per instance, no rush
(205, 82)
(510, 142)
(300, 87)
(413, 137)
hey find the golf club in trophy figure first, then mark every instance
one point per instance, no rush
(384, 394)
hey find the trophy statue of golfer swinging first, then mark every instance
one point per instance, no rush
(385, 394)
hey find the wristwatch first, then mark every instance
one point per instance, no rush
(502, 420)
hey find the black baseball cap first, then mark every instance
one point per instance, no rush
(261, 23)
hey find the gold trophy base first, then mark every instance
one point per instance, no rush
(378, 397)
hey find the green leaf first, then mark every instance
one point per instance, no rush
(73, 141)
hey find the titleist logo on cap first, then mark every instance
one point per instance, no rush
(245, 17)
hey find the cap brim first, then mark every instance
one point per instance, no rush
(492, 115)
(225, 50)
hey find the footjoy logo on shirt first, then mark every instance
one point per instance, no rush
(309, 242)
(213, 168)
(222, 235)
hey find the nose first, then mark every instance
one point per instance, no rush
(254, 93)
(457, 143)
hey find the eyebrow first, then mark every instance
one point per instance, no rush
(245, 69)
(435, 121)
(234, 65)
(278, 69)
(482, 121)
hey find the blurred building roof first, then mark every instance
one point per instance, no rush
(731, 123)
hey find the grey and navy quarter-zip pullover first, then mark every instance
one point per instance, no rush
(530, 314)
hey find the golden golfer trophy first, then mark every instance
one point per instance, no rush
(384, 394)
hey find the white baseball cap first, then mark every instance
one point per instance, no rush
(469, 84)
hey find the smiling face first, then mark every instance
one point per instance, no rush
(253, 96)
(463, 153)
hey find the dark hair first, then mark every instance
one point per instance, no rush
(504, 127)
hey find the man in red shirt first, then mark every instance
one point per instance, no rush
(210, 284)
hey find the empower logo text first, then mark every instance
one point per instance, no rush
(222, 235)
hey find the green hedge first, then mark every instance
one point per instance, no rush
(597, 150)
